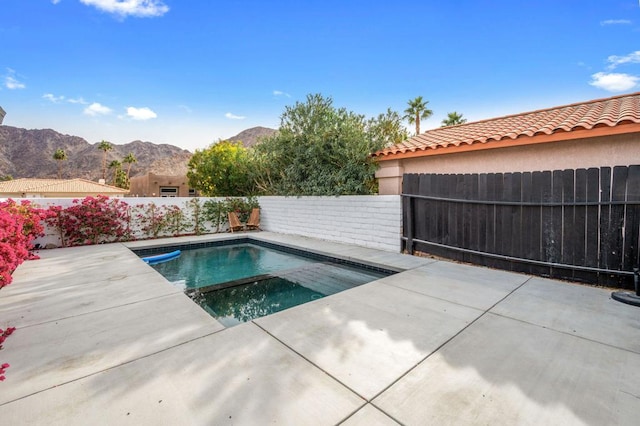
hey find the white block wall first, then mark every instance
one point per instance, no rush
(366, 220)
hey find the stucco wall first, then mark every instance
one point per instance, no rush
(619, 150)
(369, 221)
(149, 185)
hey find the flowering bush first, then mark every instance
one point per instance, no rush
(176, 221)
(3, 336)
(93, 220)
(151, 219)
(20, 224)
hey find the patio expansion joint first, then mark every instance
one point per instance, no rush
(566, 333)
(112, 367)
(101, 310)
(365, 400)
(445, 343)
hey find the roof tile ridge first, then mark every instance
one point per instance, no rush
(538, 111)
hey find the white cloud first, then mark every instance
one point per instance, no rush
(141, 113)
(614, 82)
(234, 117)
(631, 58)
(55, 1)
(52, 98)
(281, 93)
(77, 101)
(11, 82)
(123, 8)
(96, 109)
(615, 22)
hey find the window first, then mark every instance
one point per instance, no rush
(168, 191)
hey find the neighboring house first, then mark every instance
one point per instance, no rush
(151, 185)
(56, 188)
(597, 133)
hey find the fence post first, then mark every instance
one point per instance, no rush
(409, 227)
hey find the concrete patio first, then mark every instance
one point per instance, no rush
(104, 339)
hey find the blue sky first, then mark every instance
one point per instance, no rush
(191, 72)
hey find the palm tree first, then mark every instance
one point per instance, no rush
(129, 159)
(105, 146)
(416, 111)
(116, 165)
(452, 119)
(59, 156)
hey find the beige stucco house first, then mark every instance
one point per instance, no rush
(597, 133)
(152, 185)
(57, 188)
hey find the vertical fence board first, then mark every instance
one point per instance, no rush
(516, 223)
(569, 233)
(538, 216)
(546, 224)
(528, 218)
(422, 207)
(632, 223)
(618, 193)
(580, 226)
(555, 235)
(475, 212)
(458, 190)
(605, 223)
(592, 229)
(491, 217)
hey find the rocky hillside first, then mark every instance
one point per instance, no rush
(29, 153)
(252, 136)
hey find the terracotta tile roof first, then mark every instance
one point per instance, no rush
(590, 115)
(71, 186)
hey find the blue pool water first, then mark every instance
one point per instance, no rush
(238, 283)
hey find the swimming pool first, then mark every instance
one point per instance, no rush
(240, 282)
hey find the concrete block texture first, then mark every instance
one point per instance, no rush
(373, 221)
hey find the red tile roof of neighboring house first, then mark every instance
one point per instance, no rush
(599, 117)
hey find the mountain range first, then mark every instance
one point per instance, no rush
(29, 154)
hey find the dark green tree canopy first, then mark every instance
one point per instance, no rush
(321, 150)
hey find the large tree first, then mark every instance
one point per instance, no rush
(220, 170)
(105, 147)
(59, 155)
(416, 111)
(453, 118)
(319, 150)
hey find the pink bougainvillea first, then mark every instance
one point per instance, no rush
(93, 220)
(20, 224)
(3, 336)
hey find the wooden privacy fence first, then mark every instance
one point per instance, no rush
(581, 225)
